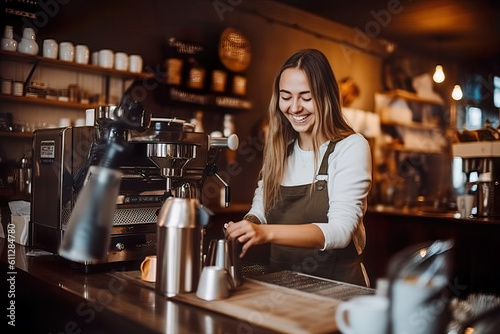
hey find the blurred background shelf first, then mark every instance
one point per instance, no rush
(47, 102)
(11, 134)
(410, 96)
(37, 60)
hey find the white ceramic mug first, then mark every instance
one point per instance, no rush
(464, 205)
(363, 314)
(419, 309)
(94, 58)
(80, 122)
(64, 122)
(121, 61)
(135, 63)
(7, 86)
(49, 49)
(66, 51)
(18, 88)
(106, 58)
(82, 54)
(148, 269)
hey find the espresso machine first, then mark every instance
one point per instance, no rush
(481, 158)
(166, 158)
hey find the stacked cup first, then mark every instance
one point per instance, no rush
(106, 58)
(82, 54)
(66, 51)
(135, 64)
(121, 61)
(50, 49)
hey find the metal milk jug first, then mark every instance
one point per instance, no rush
(180, 245)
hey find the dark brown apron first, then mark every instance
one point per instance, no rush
(297, 205)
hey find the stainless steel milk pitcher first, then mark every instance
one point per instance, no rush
(180, 245)
(224, 254)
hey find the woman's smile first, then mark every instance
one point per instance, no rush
(300, 118)
(296, 101)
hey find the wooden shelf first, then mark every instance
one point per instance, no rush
(20, 57)
(42, 101)
(10, 134)
(402, 148)
(409, 96)
(173, 95)
(414, 125)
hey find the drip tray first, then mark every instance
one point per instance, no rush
(306, 283)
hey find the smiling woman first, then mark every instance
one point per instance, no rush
(310, 201)
(297, 105)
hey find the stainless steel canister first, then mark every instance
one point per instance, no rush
(23, 175)
(179, 246)
(488, 199)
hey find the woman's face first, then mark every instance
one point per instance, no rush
(295, 100)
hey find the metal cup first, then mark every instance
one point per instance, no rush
(224, 254)
(216, 255)
(214, 284)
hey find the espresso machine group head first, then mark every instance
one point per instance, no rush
(184, 157)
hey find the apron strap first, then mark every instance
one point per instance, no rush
(322, 175)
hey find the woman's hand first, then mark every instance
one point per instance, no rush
(247, 233)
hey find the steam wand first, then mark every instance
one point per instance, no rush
(211, 170)
(232, 143)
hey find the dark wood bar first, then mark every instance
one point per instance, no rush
(476, 252)
(390, 230)
(51, 296)
(59, 297)
(48, 294)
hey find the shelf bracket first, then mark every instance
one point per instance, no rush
(28, 78)
(107, 81)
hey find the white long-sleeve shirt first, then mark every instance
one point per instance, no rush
(349, 181)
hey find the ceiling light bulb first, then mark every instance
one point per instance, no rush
(439, 74)
(457, 94)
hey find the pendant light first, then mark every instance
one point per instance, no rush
(457, 94)
(438, 76)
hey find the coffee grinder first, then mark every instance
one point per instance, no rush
(483, 159)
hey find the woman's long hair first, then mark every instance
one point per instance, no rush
(329, 121)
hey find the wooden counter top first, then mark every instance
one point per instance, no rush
(450, 216)
(476, 252)
(52, 295)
